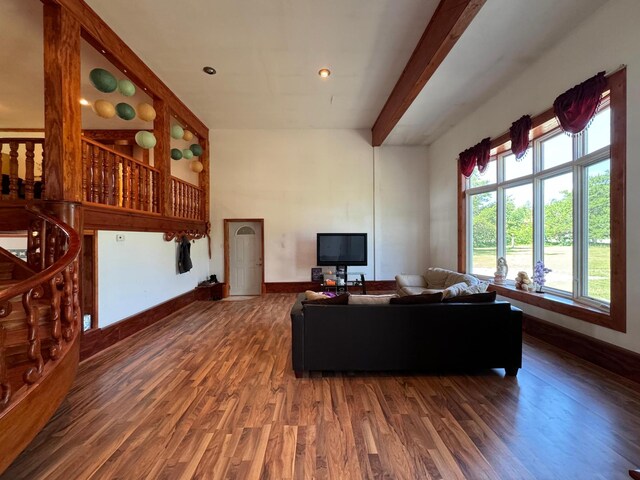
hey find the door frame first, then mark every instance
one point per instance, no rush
(227, 222)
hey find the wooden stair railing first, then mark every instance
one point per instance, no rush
(115, 179)
(186, 200)
(22, 153)
(39, 332)
(635, 474)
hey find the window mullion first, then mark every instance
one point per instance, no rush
(538, 214)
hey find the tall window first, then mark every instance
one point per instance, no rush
(553, 205)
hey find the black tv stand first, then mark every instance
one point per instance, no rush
(342, 281)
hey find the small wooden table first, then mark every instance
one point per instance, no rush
(214, 291)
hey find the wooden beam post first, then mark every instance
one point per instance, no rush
(63, 165)
(450, 20)
(204, 179)
(162, 154)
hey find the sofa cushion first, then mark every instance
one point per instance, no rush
(339, 300)
(311, 295)
(454, 290)
(371, 299)
(421, 299)
(404, 291)
(455, 277)
(436, 277)
(479, 287)
(475, 298)
(410, 281)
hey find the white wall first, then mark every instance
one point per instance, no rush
(609, 38)
(306, 181)
(401, 211)
(141, 272)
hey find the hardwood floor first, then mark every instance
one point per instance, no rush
(209, 393)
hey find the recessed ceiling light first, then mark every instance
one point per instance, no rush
(209, 70)
(324, 72)
(85, 102)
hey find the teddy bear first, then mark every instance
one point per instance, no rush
(523, 282)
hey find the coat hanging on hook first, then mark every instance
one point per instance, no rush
(184, 255)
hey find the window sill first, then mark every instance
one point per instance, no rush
(557, 304)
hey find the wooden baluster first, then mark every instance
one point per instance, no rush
(67, 305)
(199, 206)
(94, 174)
(119, 172)
(185, 196)
(13, 170)
(75, 290)
(107, 170)
(192, 202)
(136, 187)
(50, 240)
(98, 195)
(147, 191)
(33, 335)
(174, 205)
(42, 178)
(106, 190)
(154, 198)
(113, 188)
(131, 184)
(56, 327)
(33, 245)
(125, 183)
(5, 386)
(180, 199)
(185, 199)
(86, 171)
(29, 169)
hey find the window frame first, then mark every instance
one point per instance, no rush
(577, 304)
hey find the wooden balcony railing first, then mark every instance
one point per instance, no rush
(112, 178)
(23, 155)
(39, 329)
(187, 200)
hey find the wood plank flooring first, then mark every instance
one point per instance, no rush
(209, 393)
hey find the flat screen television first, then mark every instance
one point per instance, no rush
(342, 249)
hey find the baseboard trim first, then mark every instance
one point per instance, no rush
(611, 357)
(297, 287)
(98, 339)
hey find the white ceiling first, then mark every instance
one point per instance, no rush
(268, 52)
(502, 40)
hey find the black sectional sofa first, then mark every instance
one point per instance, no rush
(435, 337)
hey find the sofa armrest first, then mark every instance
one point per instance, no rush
(297, 334)
(405, 280)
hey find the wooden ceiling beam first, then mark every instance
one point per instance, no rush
(450, 20)
(102, 37)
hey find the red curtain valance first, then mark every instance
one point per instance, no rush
(519, 133)
(483, 150)
(576, 107)
(476, 155)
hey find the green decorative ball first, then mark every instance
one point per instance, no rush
(177, 132)
(176, 154)
(188, 154)
(196, 149)
(103, 80)
(126, 87)
(145, 139)
(125, 111)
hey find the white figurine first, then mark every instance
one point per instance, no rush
(501, 272)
